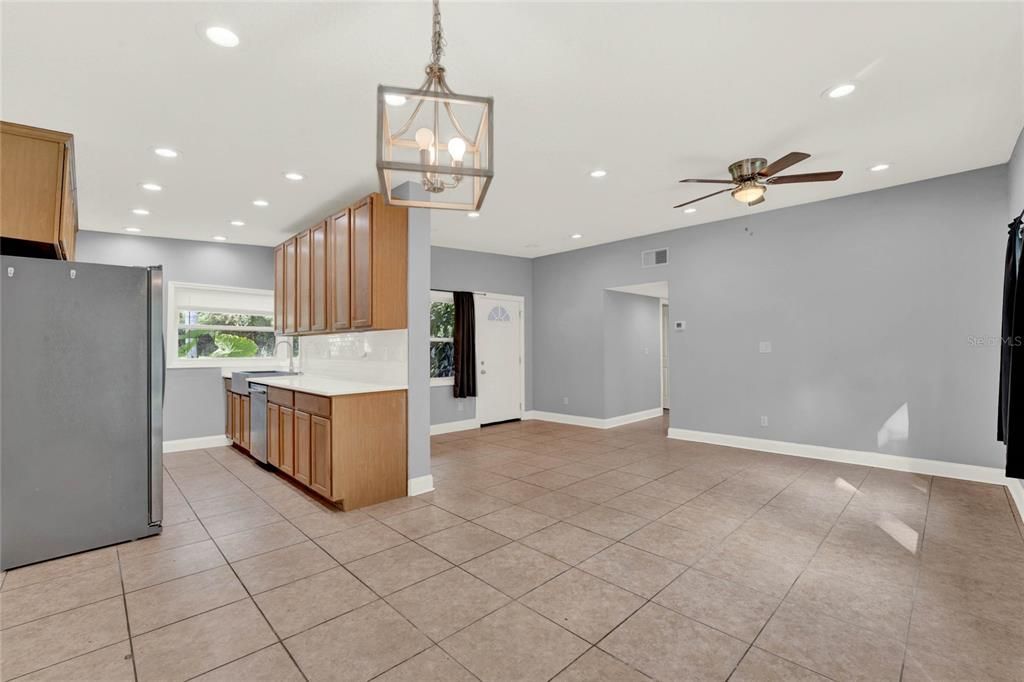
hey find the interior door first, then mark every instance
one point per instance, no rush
(499, 326)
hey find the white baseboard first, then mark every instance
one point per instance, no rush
(195, 443)
(593, 422)
(931, 467)
(452, 427)
(421, 485)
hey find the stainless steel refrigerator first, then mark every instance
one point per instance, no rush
(81, 403)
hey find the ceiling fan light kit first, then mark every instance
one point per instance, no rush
(751, 178)
(434, 147)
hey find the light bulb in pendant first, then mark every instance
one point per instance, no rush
(424, 138)
(457, 148)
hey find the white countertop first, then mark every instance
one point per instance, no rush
(326, 386)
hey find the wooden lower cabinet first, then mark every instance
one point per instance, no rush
(236, 418)
(237, 426)
(273, 435)
(320, 455)
(244, 430)
(302, 448)
(351, 449)
(287, 429)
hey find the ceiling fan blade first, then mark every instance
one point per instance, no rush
(827, 176)
(718, 182)
(694, 201)
(782, 164)
(755, 202)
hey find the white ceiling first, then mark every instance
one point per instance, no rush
(652, 289)
(651, 92)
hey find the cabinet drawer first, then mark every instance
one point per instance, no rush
(279, 396)
(313, 404)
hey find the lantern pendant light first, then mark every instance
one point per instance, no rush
(434, 147)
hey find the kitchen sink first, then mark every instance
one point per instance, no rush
(240, 380)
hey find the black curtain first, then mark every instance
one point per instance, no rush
(1010, 429)
(465, 345)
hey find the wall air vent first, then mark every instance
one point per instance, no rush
(653, 257)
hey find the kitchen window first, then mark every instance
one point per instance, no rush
(215, 326)
(442, 341)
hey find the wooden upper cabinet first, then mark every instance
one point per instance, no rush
(279, 293)
(318, 277)
(303, 287)
(38, 214)
(291, 262)
(347, 273)
(362, 264)
(340, 279)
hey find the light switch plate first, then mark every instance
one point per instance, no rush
(765, 347)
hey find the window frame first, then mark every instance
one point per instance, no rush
(441, 297)
(171, 328)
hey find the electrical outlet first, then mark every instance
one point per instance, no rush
(565, 400)
(764, 420)
(765, 347)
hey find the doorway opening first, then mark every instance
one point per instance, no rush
(637, 337)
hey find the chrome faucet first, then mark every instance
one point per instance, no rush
(291, 354)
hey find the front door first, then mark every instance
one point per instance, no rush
(499, 326)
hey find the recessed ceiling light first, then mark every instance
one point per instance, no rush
(395, 100)
(220, 238)
(133, 229)
(292, 175)
(598, 173)
(140, 211)
(238, 223)
(166, 152)
(879, 167)
(689, 210)
(472, 214)
(225, 37)
(841, 90)
(577, 236)
(151, 187)
(261, 203)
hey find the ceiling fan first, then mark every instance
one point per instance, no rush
(751, 178)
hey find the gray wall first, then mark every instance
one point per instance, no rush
(870, 302)
(419, 395)
(194, 400)
(1017, 177)
(457, 270)
(632, 353)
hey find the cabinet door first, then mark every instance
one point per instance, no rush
(236, 418)
(244, 406)
(227, 414)
(291, 262)
(304, 290)
(318, 277)
(341, 270)
(362, 265)
(68, 207)
(273, 435)
(288, 440)
(302, 447)
(320, 455)
(279, 293)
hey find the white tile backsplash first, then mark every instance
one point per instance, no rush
(376, 357)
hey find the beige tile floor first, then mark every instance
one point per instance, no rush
(546, 552)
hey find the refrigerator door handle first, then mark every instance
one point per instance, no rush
(157, 375)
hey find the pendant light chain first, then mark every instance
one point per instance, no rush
(437, 41)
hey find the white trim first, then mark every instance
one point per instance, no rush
(931, 467)
(452, 427)
(200, 443)
(593, 422)
(421, 485)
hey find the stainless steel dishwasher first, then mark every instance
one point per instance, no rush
(258, 421)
